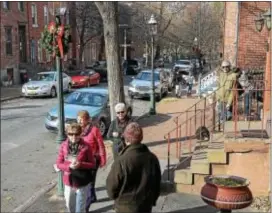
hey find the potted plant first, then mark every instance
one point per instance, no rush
(226, 192)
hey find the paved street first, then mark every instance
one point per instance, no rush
(28, 150)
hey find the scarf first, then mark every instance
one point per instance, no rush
(123, 124)
(73, 148)
(87, 130)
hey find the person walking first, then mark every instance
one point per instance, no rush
(117, 127)
(224, 94)
(135, 176)
(91, 135)
(190, 83)
(75, 161)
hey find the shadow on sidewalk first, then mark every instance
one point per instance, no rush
(196, 209)
(153, 120)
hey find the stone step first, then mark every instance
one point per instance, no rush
(200, 166)
(183, 176)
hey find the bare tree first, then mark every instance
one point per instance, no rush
(109, 14)
(88, 24)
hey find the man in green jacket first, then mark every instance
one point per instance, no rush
(224, 94)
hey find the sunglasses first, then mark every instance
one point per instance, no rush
(73, 134)
(225, 67)
(121, 112)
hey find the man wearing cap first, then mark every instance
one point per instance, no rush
(134, 180)
(224, 94)
(117, 127)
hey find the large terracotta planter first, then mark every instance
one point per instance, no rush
(226, 198)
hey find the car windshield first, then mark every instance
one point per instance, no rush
(146, 76)
(86, 99)
(183, 62)
(83, 73)
(44, 77)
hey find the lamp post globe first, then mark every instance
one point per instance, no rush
(259, 23)
(267, 18)
(153, 31)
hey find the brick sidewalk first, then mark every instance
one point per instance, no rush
(154, 127)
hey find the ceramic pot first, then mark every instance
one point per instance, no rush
(226, 197)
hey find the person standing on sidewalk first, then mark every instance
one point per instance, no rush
(75, 161)
(190, 83)
(135, 176)
(91, 135)
(224, 94)
(117, 127)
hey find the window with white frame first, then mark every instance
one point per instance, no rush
(34, 15)
(45, 12)
(21, 6)
(40, 52)
(6, 5)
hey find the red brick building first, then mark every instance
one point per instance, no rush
(243, 45)
(14, 42)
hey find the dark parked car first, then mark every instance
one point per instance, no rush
(133, 67)
(101, 68)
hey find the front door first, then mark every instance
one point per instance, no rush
(22, 43)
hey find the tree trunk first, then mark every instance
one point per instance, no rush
(81, 51)
(109, 13)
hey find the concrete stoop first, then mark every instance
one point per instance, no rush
(207, 157)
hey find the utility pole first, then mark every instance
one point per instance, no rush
(125, 45)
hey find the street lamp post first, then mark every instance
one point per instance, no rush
(61, 136)
(153, 31)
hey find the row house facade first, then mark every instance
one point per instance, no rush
(21, 26)
(14, 42)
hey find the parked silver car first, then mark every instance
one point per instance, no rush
(141, 85)
(45, 84)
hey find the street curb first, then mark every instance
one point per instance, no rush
(35, 197)
(11, 98)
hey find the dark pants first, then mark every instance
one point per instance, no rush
(91, 195)
(117, 146)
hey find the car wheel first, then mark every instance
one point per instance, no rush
(129, 112)
(53, 92)
(69, 89)
(102, 127)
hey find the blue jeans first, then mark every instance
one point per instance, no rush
(190, 87)
(75, 198)
(247, 103)
(223, 113)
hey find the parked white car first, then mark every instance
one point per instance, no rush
(141, 85)
(184, 65)
(45, 84)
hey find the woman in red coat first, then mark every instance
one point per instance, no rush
(75, 158)
(92, 135)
